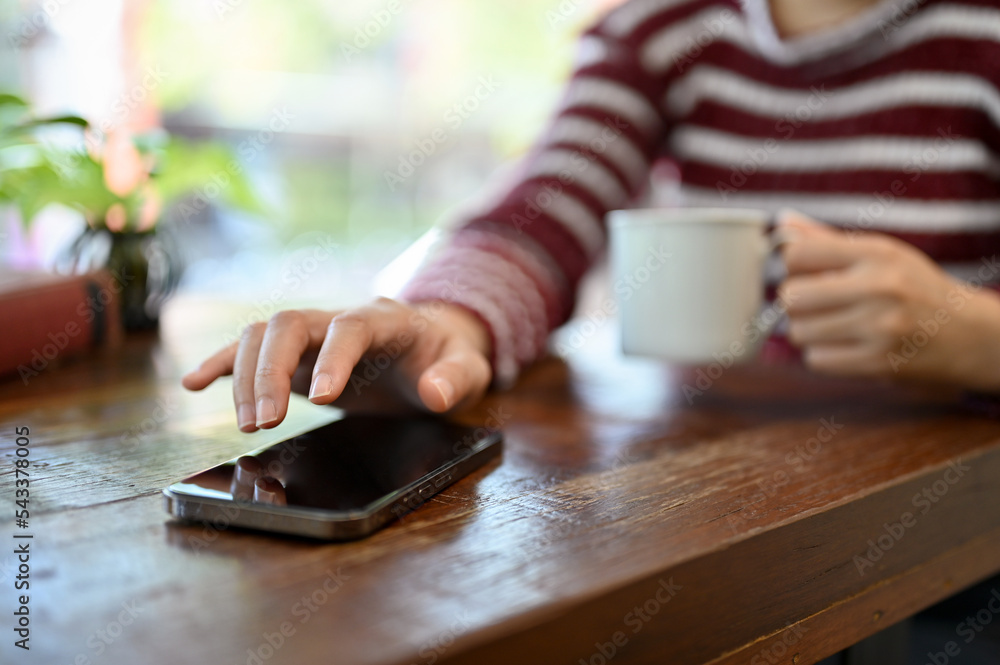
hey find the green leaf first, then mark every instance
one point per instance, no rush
(34, 175)
(151, 142)
(61, 119)
(7, 99)
(186, 169)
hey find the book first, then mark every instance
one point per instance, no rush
(46, 318)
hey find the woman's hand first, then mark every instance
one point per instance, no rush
(381, 356)
(877, 306)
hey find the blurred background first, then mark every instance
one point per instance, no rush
(348, 129)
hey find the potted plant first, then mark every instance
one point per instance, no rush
(120, 184)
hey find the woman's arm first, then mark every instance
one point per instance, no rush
(517, 264)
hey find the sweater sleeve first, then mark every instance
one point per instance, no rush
(516, 265)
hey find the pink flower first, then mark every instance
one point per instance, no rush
(123, 165)
(115, 218)
(149, 212)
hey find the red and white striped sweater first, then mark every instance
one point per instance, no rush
(890, 122)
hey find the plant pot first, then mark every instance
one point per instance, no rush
(144, 263)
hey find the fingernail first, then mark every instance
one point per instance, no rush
(248, 469)
(783, 214)
(269, 490)
(245, 472)
(322, 385)
(784, 235)
(245, 417)
(266, 413)
(446, 389)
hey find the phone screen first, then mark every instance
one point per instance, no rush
(346, 466)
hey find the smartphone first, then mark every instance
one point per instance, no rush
(339, 482)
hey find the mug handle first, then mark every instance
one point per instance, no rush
(775, 240)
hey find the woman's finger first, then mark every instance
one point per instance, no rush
(816, 253)
(851, 359)
(803, 224)
(244, 369)
(286, 338)
(219, 364)
(811, 246)
(832, 289)
(830, 326)
(461, 375)
(385, 325)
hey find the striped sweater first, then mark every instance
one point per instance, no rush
(889, 122)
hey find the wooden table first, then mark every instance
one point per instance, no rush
(622, 523)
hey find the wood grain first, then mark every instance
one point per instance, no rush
(749, 504)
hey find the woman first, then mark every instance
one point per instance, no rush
(881, 118)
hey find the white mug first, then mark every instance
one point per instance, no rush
(689, 282)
